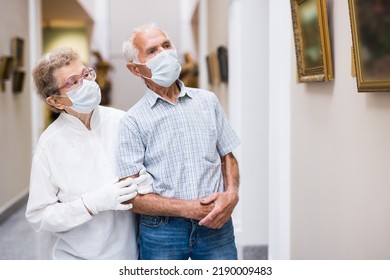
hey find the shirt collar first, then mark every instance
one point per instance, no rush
(152, 97)
(77, 124)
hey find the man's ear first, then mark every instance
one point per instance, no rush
(133, 69)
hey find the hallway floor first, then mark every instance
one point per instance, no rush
(18, 241)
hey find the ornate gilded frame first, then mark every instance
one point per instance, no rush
(370, 44)
(312, 40)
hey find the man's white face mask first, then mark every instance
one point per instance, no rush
(165, 68)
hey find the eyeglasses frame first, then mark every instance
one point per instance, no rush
(86, 73)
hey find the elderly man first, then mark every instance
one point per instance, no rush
(183, 138)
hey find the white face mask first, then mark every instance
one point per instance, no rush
(165, 68)
(86, 98)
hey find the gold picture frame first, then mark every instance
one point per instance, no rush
(370, 27)
(6, 65)
(312, 41)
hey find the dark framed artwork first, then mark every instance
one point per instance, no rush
(223, 63)
(370, 28)
(17, 81)
(214, 75)
(17, 46)
(312, 40)
(6, 65)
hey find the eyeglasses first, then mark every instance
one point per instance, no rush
(76, 81)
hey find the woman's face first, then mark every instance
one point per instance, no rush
(62, 76)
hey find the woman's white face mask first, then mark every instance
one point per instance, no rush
(86, 98)
(165, 68)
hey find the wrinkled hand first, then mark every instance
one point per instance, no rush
(223, 209)
(111, 196)
(197, 210)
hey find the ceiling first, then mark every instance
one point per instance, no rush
(59, 13)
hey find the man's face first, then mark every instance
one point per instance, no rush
(150, 43)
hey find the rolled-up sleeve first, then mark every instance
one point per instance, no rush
(227, 139)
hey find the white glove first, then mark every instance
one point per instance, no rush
(144, 182)
(111, 196)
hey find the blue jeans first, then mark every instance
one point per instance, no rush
(172, 238)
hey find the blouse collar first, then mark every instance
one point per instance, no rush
(78, 124)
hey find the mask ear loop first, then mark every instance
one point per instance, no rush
(53, 101)
(143, 64)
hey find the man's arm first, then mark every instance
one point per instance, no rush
(156, 205)
(224, 201)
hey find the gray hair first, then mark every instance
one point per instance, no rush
(129, 49)
(43, 73)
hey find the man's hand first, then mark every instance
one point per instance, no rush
(224, 203)
(197, 210)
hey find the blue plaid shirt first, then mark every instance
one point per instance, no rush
(180, 144)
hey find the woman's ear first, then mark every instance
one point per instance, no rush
(52, 101)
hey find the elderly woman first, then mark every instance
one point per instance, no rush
(74, 192)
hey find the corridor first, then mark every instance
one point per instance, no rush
(314, 183)
(18, 241)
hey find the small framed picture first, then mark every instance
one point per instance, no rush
(213, 68)
(6, 65)
(17, 81)
(17, 45)
(312, 41)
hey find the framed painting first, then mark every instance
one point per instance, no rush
(370, 26)
(17, 45)
(6, 64)
(18, 81)
(312, 41)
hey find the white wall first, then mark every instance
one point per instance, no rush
(248, 110)
(280, 45)
(98, 11)
(187, 36)
(340, 158)
(15, 125)
(217, 27)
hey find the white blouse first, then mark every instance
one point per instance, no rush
(71, 160)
